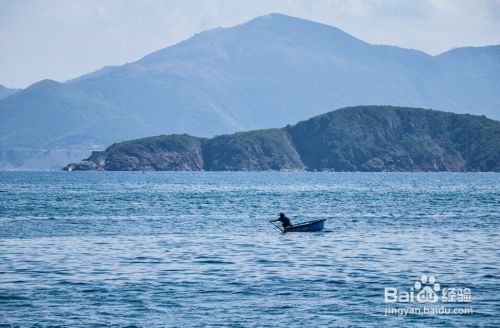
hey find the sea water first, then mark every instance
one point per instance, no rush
(195, 249)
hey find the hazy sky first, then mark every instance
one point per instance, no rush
(60, 40)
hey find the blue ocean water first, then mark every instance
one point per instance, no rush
(195, 249)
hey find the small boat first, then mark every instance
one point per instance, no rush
(311, 226)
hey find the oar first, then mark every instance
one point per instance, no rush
(276, 226)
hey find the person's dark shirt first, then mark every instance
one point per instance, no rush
(285, 221)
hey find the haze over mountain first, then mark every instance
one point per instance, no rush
(265, 73)
(4, 91)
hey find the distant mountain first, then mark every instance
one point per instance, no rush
(363, 138)
(50, 122)
(5, 92)
(265, 73)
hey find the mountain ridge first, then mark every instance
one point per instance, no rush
(5, 92)
(362, 138)
(263, 73)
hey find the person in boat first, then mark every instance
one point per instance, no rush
(284, 220)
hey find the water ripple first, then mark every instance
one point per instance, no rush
(195, 249)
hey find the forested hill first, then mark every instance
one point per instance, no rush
(363, 138)
(264, 73)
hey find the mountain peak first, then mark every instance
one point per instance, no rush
(264, 73)
(268, 34)
(294, 27)
(44, 87)
(278, 18)
(6, 91)
(45, 83)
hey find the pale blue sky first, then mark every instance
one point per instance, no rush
(60, 40)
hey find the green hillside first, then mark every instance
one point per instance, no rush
(363, 138)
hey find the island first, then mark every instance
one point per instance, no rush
(361, 138)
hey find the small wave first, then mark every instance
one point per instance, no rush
(213, 262)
